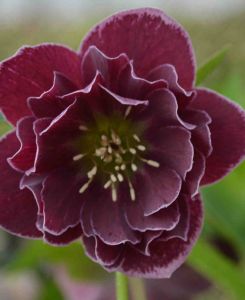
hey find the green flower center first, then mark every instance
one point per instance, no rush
(115, 151)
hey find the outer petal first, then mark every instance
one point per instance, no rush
(67, 237)
(24, 158)
(167, 256)
(227, 133)
(18, 209)
(62, 201)
(30, 72)
(149, 38)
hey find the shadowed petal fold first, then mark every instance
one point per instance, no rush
(20, 209)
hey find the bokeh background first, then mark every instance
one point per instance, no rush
(31, 270)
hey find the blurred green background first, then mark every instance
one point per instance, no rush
(35, 271)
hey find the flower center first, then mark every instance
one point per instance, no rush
(116, 153)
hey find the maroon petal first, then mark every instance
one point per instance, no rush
(112, 230)
(67, 237)
(168, 73)
(182, 228)
(161, 111)
(30, 72)
(157, 188)
(107, 254)
(171, 146)
(149, 38)
(110, 68)
(227, 133)
(164, 219)
(48, 104)
(194, 177)
(18, 209)
(24, 158)
(62, 201)
(167, 256)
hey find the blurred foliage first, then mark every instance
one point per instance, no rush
(224, 202)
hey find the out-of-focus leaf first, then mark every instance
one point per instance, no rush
(36, 253)
(50, 290)
(225, 207)
(220, 270)
(210, 65)
(4, 127)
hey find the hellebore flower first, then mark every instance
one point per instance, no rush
(112, 143)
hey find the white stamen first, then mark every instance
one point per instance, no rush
(127, 112)
(109, 149)
(113, 178)
(123, 167)
(104, 140)
(132, 191)
(134, 167)
(85, 186)
(107, 184)
(151, 163)
(135, 136)
(92, 172)
(83, 128)
(120, 177)
(113, 193)
(107, 158)
(117, 168)
(132, 150)
(141, 147)
(100, 151)
(78, 156)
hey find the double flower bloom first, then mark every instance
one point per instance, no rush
(112, 143)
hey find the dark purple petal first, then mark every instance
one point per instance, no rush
(18, 211)
(34, 183)
(227, 133)
(167, 256)
(112, 229)
(67, 237)
(109, 67)
(30, 72)
(164, 219)
(62, 201)
(194, 177)
(24, 158)
(107, 254)
(168, 73)
(48, 104)
(161, 111)
(171, 146)
(182, 228)
(149, 38)
(156, 188)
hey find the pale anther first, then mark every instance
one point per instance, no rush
(107, 184)
(85, 186)
(113, 178)
(109, 149)
(78, 156)
(100, 151)
(120, 177)
(113, 193)
(134, 167)
(132, 191)
(153, 163)
(135, 136)
(117, 168)
(83, 128)
(141, 147)
(92, 172)
(132, 150)
(127, 112)
(123, 167)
